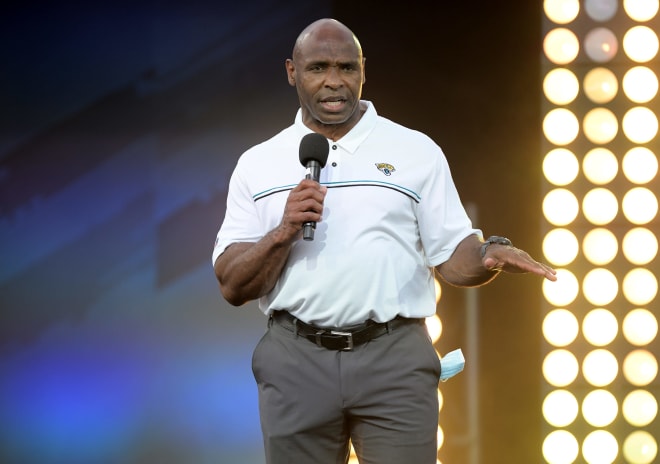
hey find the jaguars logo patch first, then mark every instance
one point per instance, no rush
(385, 168)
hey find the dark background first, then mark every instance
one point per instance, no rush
(120, 123)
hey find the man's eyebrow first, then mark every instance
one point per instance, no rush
(327, 63)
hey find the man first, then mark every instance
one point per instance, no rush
(347, 356)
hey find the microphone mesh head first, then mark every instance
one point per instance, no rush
(314, 147)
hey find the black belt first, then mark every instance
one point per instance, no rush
(340, 338)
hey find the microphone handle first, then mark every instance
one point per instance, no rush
(313, 172)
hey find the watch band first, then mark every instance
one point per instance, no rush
(494, 239)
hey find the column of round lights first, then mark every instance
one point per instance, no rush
(600, 370)
(434, 326)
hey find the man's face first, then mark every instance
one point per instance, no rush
(328, 72)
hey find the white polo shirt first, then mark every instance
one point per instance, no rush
(390, 215)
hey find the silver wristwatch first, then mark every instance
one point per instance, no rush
(494, 239)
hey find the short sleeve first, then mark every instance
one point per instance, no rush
(443, 221)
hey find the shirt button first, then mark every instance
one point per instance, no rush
(334, 147)
(334, 164)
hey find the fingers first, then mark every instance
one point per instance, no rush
(514, 260)
(304, 204)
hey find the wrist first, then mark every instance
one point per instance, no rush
(493, 239)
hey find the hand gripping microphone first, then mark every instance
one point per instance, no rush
(313, 154)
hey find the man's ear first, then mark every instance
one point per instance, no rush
(290, 72)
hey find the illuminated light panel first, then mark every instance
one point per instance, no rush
(615, 103)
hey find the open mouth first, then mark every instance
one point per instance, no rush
(333, 104)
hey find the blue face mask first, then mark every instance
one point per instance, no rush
(451, 364)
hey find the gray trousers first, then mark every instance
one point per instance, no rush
(382, 396)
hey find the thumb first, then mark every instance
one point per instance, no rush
(491, 264)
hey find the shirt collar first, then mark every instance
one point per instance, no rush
(352, 140)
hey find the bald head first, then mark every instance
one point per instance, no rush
(327, 70)
(322, 30)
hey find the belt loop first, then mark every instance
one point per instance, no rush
(270, 321)
(388, 327)
(295, 326)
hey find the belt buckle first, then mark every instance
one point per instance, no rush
(349, 339)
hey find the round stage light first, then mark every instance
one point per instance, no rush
(560, 408)
(640, 165)
(600, 408)
(639, 408)
(600, 166)
(560, 327)
(600, 327)
(640, 327)
(640, 44)
(561, 45)
(560, 86)
(600, 246)
(560, 126)
(560, 247)
(560, 166)
(600, 85)
(640, 286)
(600, 367)
(601, 44)
(640, 84)
(561, 11)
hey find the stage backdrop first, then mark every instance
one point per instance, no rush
(120, 124)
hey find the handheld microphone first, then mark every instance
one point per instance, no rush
(313, 155)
